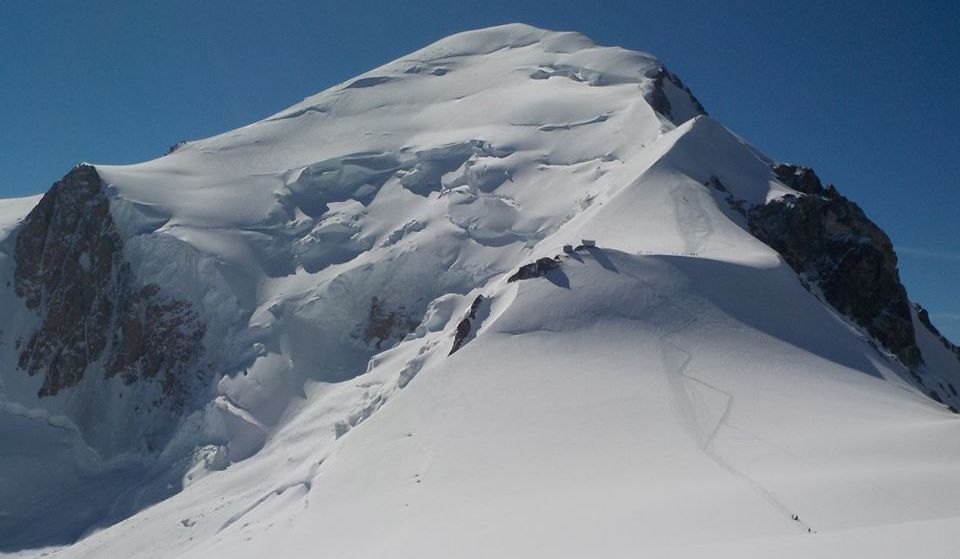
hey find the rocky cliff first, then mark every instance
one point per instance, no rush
(831, 244)
(94, 317)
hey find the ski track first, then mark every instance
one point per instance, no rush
(695, 228)
(706, 441)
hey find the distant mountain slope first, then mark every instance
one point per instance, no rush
(364, 326)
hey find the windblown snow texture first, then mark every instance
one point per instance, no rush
(359, 327)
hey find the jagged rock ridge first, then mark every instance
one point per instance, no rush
(70, 269)
(830, 242)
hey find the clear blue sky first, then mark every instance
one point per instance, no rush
(865, 92)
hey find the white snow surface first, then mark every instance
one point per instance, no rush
(675, 392)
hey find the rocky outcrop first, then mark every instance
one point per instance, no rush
(94, 318)
(534, 269)
(801, 179)
(387, 324)
(660, 101)
(830, 243)
(176, 146)
(924, 318)
(155, 337)
(465, 326)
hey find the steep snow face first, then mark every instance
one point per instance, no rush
(370, 364)
(337, 221)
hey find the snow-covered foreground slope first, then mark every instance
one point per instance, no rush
(678, 388)
(610, 407)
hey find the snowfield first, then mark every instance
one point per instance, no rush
(674, 392)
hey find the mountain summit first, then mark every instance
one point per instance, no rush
(514, 294)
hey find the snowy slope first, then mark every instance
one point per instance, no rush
(675, 388)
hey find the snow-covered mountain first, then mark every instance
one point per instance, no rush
(366, 327)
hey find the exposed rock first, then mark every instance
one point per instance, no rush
(659, 100)
(924, 317)
(386, 324)
(176, 146)
(829, 242)
(801, 179)
(94, 318)
(739, 206)
(715, 183)
(154, 336)
(466, 325)
(534, 269)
